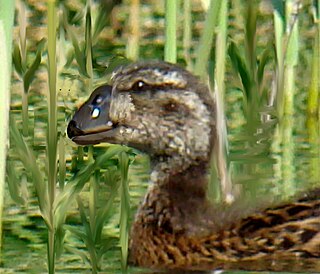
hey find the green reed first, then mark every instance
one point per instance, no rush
(206, 40)
(170, 48)
(313, 104)
(286, 51)
(53, 205)
(21, 53)
(52, 134)
(250, 67)
(110, 168)
(88, 45)
(187, 33)
(218, 86)
(124, 208)
(132, 48)
(291, 62)
(6, 24)
(25, 69)
(99, 212)
(93, 221)
(313, 96)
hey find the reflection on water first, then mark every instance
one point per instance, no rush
(294, 264)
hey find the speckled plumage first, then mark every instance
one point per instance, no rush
(167, 112)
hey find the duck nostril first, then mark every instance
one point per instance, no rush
(73, 130)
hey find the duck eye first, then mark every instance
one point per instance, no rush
(138, 86)
(95, 113)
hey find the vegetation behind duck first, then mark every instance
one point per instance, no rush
(167, 112)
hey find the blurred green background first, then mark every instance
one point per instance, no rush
(68, 209)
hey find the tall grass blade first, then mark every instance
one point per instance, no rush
(59, 241)
(291, 56)
(66, 197)
(79, 55)
(263, 60)
(241, 67)
(221, 48)
(222, 143)
(28, 159)
(14, 184)
(187, 33)
(93, 199)
(287, 48)
(31, 71)
(124, 208)
(279, 30)
(6, 24)
(170, 47)
(62, 161)
(250, 36)
(291, 61)
(17, 61)
(105, 211)
(88, 236)
(52, 135)
(88, 49)
(206, 39)
(22, 20)
(132, 48)
(101, 19)
(314, 89)
(313, 106)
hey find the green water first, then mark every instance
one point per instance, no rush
(269, 161)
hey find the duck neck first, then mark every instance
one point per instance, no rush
(176, 201)
(187, 185)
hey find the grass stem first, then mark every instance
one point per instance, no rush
(125, 209)
(134, 31)
(222, 142)
(313, 96)
(206, 39)
(6, 24)
(170, 47)
(52, 130)
(187, 32)
(88, 39)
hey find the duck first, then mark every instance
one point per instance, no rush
(168, 113)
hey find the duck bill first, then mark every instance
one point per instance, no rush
(90, 136)
(91, 123)
(95, 137)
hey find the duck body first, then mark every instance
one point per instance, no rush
(275, 239)
(168, 113)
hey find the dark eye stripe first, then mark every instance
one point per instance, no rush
(170, 107)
